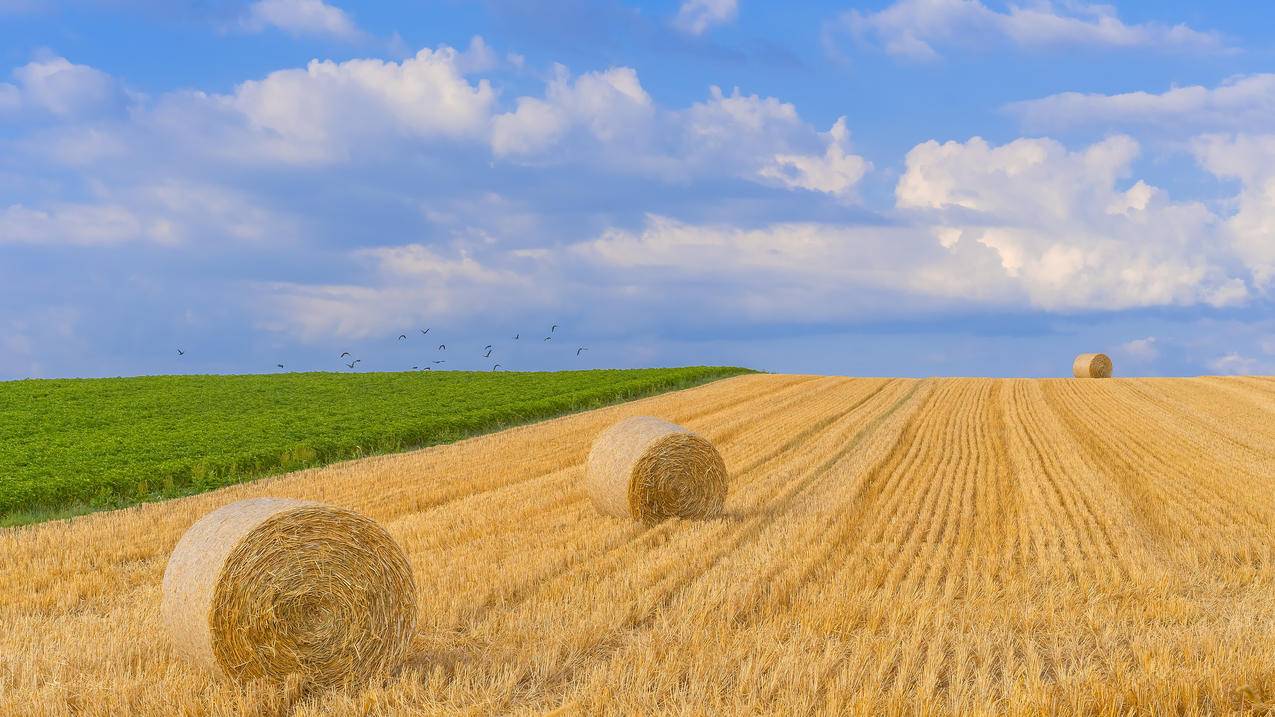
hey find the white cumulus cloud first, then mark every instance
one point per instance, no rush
(165, 212)
(300, 17)
(1240, 103)
(1143, 349)
(1226, 127)
(76, 223)
(799, 272)
(608, 119)
(369, 109)
(1250, 159)
(407, 284)
(1029, 224)
(1062, 226)
(328, 109)
(836, 171)
(59, 87)
(1236, 364)
(921, 29)
(611, 106)
(697, 16)
(1026, 223)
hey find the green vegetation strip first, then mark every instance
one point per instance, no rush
(74, 446)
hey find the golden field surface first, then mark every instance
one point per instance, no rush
(890, 546)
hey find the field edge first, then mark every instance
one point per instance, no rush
(42, 514)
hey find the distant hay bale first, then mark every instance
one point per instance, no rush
(1092, 366)
(271, 587)
(649, 469)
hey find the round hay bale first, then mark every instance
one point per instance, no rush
(1092, 366)
(649, 469)
(271, 588)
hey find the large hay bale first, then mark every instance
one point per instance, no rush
(649, 469)
(270, 588)
(1091, 366)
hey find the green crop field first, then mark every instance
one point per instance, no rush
(76, 445)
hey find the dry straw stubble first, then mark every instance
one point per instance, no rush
(271, 588)
(648, 469)
(911, 547)
(1092, 366)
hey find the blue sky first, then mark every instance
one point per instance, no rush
(906, 187)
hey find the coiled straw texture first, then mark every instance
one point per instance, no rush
(648, 469)
(1092, 366)
(272, 588)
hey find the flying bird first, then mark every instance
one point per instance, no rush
(358, 360)
(279, 365)
(486, 347)
(443, 361)
(488, 354)
(553, 328)
(344, 354)
(428, 368)
(180, 352)
(416, 368)
(442, 347)
(582, 348)
(426, 331)
(493, 368)
(548, 338)
(516, 336)
(402, 336)
(351, 365)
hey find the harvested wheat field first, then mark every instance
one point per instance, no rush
(888, 546)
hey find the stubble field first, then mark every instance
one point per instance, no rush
(890, 546)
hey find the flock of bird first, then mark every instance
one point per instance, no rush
(487, 350)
